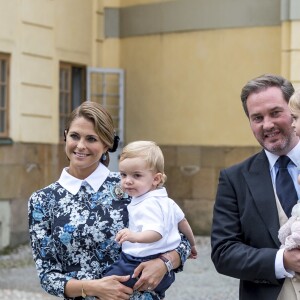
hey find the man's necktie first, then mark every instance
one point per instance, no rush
(285, 187)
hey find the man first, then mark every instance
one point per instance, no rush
(248, 212)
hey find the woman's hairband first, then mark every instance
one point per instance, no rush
(115, 145)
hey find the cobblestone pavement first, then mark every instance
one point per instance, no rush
(198, 281)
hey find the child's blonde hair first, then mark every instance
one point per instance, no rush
(294, 103)
(150, 152)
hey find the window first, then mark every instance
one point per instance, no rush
(71, 92)
(106, 86)
(4, 100)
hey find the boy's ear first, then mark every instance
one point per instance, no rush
(157, 179)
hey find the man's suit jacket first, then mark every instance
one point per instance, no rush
(245, 228)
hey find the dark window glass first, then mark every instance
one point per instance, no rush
(4, 101)
(71, 92)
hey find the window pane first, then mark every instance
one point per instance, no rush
(3, 71)
(61, 103)
(4, 104)
(2, 96)
(67, 76)
(71, 92)
(77, 88)
(62, 126)
(2, 121)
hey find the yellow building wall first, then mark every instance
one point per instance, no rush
(290, 57)
(124, 3)
(184, 88)
(181, 88)
(39, 35)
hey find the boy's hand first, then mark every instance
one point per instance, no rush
(194, 253)
(124, 235)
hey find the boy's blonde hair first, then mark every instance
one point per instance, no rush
(294, 103)
(148, 151)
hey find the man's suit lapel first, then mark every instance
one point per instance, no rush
(260, 184)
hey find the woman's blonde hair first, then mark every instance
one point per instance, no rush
(294, 103)
(148, 151)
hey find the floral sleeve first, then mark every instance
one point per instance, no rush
(47, 265)
(184, 250)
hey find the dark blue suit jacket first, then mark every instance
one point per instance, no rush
(245, 228)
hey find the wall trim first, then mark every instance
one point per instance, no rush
(290, 10)
(190, 15)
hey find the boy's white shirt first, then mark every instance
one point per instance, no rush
(154, 211)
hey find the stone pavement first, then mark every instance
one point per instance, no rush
(198, 281)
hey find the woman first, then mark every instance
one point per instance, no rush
(73, 221)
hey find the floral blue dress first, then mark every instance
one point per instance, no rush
(72, 236)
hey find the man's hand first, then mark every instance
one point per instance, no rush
(151, 273)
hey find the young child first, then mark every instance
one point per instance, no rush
(289, 232)
(154, 219)
(294, 106)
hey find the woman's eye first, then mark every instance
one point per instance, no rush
(74, 136)
(91, 139)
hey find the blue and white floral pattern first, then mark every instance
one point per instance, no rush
(72, 236)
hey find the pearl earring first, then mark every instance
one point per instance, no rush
(103, 157)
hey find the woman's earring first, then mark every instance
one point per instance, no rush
(103, 157)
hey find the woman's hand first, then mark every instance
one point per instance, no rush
(106, 288)
(149, 274)
(111, 288)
